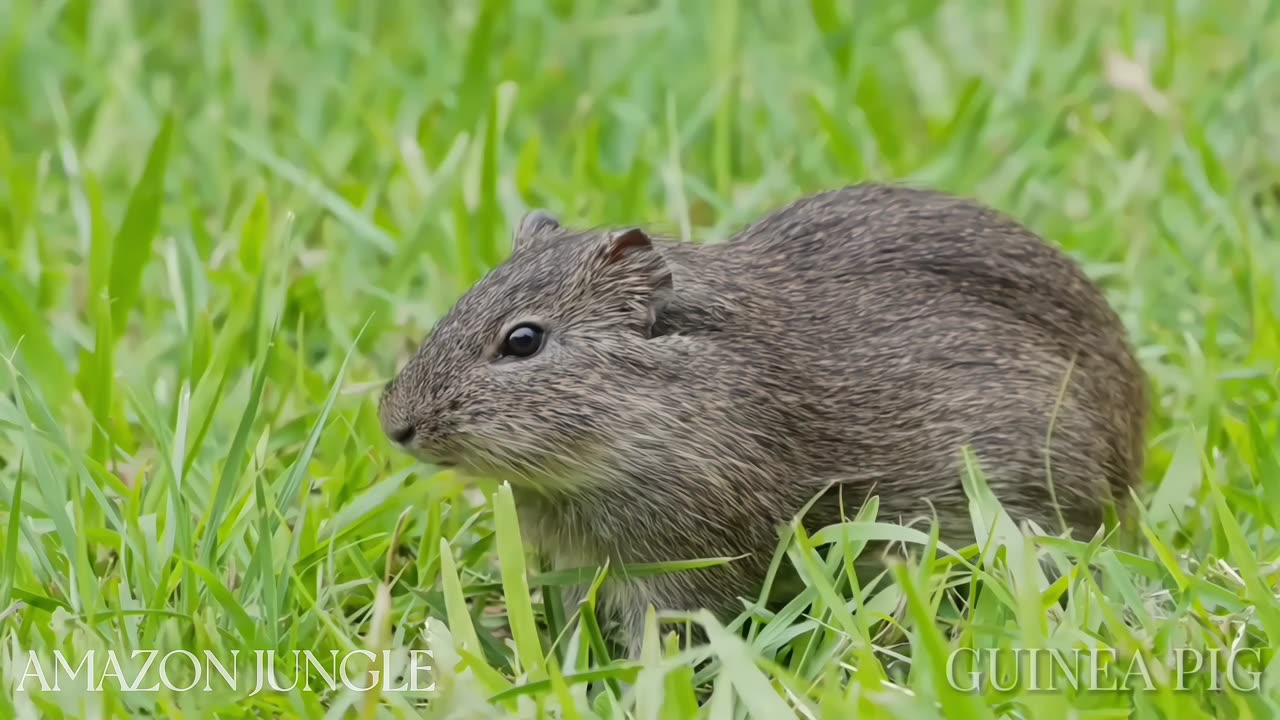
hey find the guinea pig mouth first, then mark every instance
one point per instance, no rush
(430, 454)
(434, 459)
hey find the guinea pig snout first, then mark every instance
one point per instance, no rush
(402, 435)
(408, 430)
(399, 414)
(413, 416)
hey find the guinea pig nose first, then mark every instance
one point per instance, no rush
(402, 435)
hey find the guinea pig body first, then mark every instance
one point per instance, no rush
(654, 401)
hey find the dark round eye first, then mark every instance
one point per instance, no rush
(523, 341)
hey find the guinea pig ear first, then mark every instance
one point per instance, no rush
(631, 264)
(534, 224)
(631, 253)
(629, 259)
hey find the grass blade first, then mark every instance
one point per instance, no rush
(515, 585)
(131, 249)
(35, 349)
(460, 625)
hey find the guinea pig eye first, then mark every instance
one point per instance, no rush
(523, 341)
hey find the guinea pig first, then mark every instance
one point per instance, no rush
(652, 400)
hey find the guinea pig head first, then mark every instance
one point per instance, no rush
(519, 378)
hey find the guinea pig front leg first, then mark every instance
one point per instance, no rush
(682, 593)
(630, 601)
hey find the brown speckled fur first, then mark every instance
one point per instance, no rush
(690, 398)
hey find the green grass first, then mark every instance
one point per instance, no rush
(224, 225)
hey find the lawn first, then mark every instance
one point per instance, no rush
(224, 226)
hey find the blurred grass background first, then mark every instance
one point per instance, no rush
(223, 225)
